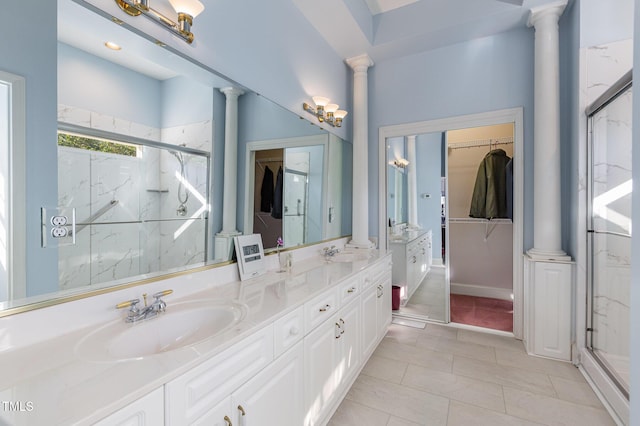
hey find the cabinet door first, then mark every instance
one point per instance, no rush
(218, 415)
(275, 395)
(383, 300)
(147, 411)
(349, 353)
(320, 357)
(369, 320)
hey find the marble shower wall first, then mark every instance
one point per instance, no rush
(605, 65)
(142, 232)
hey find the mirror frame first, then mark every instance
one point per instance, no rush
(512, 115)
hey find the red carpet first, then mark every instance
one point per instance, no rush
(482, 312)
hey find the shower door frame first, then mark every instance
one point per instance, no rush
(619, 88)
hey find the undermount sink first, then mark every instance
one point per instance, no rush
(183, 324)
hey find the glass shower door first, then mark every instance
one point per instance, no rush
(609, 235)
(295, 206)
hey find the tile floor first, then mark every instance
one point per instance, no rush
(429, 299)
(447, 376)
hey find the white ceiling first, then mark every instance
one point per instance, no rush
(386, 29)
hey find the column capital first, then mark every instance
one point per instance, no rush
(552, 9)
(232, 91)
(360, 63)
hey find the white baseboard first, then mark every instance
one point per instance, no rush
(481, 291)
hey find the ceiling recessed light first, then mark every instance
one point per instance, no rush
(111, 45)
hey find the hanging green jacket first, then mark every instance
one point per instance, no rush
(489, 200)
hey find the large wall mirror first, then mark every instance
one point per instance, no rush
(141, 136)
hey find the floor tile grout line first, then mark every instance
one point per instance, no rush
(576, 404)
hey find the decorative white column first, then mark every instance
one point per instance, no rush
(360, 219)
(412, 182)
(548, 270)
(547, 232)
(230, 185)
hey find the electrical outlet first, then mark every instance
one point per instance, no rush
(59, 232)
(59, 220)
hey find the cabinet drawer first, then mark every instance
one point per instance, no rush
(349, 290)
(319, 309)
(193, 394)
(288, 330)
(377, 271)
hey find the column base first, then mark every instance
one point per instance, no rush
(366, 244)
(548, 255)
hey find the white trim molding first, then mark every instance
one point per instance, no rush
(16, 244)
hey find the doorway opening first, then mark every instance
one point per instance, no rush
(480, 226)
(430, 279)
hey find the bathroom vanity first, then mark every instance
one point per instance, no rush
(299, 342)
(412, 260)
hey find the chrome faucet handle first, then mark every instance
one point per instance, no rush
(129, 303)
(160, 304)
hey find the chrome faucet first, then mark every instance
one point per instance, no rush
(329, 252)
(136, 314)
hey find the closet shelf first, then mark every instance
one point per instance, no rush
(489, 224)
(480, 220)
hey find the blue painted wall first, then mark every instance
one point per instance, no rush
(92, 83)
(480, 75)
(185, 101)
(28, 48)
(429, 175)
(268, 47)
(260, 119)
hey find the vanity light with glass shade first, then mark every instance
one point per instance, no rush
(325, 112)
(186, 10)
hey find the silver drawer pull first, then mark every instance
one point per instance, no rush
(324, 308)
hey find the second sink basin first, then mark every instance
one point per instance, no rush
(183, 324)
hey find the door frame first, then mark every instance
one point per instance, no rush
(294, 142)
(16, 145)
(511, 115)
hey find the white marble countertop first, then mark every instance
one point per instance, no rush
(407, 236)
(66, 390)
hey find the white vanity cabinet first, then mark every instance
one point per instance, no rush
(375, 307)
(195, 397)
(331, 359)
(146, 411)
(293, 371)
(275, 396)
(412, 259)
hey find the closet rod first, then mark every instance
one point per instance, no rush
(269, 160)
(482, 142)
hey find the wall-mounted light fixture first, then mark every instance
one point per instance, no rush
(186, 9)
(400, 163)
(325, 112)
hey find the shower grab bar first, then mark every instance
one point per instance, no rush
(96, 215)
